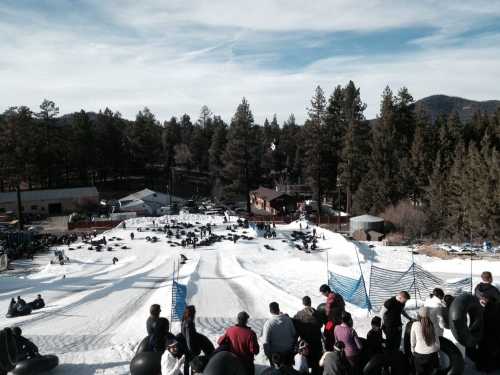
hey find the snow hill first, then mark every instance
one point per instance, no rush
(95, 315)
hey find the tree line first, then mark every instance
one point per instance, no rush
(446, 172)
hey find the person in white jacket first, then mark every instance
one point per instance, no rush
(424, 341)
(172, 361)
(436, 305)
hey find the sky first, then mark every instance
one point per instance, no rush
(175, 56)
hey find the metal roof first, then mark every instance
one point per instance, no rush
(268, 194)
(367, 219)
(49, 194)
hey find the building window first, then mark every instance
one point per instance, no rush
(34, 207)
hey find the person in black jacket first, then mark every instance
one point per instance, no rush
(374, 339)
(308, 326)
(25, 348)
(161, 335)
(486, 288)
(154, 312)
(392, 324)
(191, 337)
(38, 303)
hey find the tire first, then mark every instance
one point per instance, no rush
(466, 305)
(224, 363)
(146, 363)
(8, 350)
(36, 365)
(143, 346)
(393, 359)
(457, 364)
(206, 345)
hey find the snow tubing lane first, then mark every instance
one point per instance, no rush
(8, 350)
(454, 355)
(36, 365)
(224, 363)
(143, 345)
(146, 363)
(393, 359)
(463, 305)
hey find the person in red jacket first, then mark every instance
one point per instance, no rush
(334, 308)
(241, 340)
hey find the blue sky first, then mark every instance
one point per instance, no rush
(175, 56)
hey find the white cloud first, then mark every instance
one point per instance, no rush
(171, 74)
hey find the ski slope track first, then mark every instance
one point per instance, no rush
(95, 311)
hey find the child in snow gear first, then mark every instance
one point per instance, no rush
(392, 324)
(334, 362)
(374, 339)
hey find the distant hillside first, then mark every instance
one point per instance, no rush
(437, 105)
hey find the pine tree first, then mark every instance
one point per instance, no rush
(354, 137)
(383, 189)
(314, 146)
(240, 157)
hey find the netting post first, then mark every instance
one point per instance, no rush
(471, 272)
(327, 275)
(414, 277)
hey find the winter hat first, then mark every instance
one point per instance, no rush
(171, 342)
(155, 309)
(423, 312)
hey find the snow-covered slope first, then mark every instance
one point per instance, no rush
(95, 315)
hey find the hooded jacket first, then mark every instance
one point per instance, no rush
(487, 290)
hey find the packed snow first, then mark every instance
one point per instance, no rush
(96, 311)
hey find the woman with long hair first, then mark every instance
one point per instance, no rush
(424, 339)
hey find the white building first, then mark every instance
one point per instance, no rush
(50, 201)
(147, 202)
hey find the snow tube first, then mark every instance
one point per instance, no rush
(463, 305)
(8, 350)
(320, 310)
(143, 346)
(224, 363)
(455, 363)
(25, 311)
(146, 363)
(36, 365)
(206, 345)
(391, 358)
